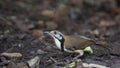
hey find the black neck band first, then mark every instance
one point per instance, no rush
(62, 43)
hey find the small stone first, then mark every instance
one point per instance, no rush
(48, 13)
(30, 26)
(40, 22)
(104, 23)
(13, 17)
(40, 51)
(34, 63)
(96, 32)
(11, 65)
(21, 65)
(92, 65)
(32, 52)
(37, 33)
(12, 55)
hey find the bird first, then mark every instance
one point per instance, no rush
(72, 43)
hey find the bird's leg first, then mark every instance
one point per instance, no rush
(80, 53)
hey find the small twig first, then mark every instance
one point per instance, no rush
(77, 57)
(92, 65)
(4, 61)
(5, 20)
(53, 59)
(10, 49)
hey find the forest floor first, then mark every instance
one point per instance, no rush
(22, 24)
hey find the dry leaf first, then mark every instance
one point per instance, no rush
(48, 13)
(104, 23)
(51, 25)
(12, 55)
(96, 32)
(37, 33)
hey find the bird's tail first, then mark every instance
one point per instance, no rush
(104, 44)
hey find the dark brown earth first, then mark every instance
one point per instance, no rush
(23, 22)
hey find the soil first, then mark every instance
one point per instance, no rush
(22, 24)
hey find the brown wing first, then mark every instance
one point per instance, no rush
(77, 42)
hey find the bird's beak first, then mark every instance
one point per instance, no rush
(47, 32)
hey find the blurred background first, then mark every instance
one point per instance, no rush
(22, 21)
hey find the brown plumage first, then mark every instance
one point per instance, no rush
(77, 42)
(73, 43)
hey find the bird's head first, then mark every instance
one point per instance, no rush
(58, 38)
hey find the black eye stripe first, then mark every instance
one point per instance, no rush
(60, 37)
(55, 32)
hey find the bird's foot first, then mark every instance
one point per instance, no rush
(80, 52)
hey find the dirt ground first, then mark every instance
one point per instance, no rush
(23, 22)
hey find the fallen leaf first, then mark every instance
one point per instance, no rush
(104, 23)
(96, 32)
(48, 13)
(37, 33)
(34, 62)
(51, 25)
(12, 55)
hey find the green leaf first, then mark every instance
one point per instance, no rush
(61, 3)
(71, 65)
(88, 49)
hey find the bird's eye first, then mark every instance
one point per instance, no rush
(55, 32)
